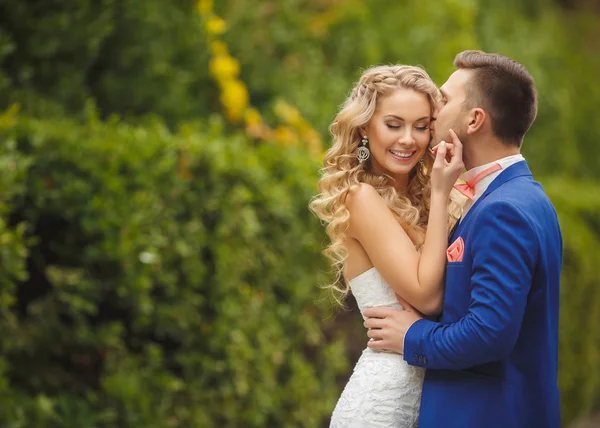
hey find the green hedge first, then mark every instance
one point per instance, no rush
(134, 57)
(578, 206)
(170, 279)
(130, 252)
(313, 51)
(153, 279)
(131, 57)
(160, 279)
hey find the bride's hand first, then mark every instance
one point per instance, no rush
(448, 165)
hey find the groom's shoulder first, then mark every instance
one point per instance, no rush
(522, 190)
(523, 195)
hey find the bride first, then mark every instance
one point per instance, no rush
(381, 188)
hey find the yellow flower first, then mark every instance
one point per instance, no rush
(254, 124)
(234, 98)
(224, 67)
(288, 113)
(204, 7)
(215, 25)
(260, 131)
(218, 48)
(252, 117)
(285, 135)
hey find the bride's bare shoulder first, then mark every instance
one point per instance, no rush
(361, 195)
(367, 209)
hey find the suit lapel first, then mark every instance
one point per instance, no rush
(519, 169)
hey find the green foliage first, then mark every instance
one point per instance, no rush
(321, 47)
(578, 206)
(162, 287)
(131, 57)
(161, 278)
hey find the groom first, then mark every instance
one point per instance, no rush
(492, 357)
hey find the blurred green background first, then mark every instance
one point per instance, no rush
(159, 265)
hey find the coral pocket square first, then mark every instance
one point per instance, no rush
(456, 251)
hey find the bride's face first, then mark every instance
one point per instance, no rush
(399, 133)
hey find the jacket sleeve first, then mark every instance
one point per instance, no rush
(505, 251)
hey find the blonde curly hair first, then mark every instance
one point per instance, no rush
(342, 171)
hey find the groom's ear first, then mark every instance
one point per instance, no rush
(477, 118)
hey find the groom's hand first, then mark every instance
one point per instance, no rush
(388, 326)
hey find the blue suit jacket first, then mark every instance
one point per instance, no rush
(492, 359)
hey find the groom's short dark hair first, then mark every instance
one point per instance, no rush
(504, 89)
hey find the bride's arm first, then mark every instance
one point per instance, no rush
(416, 279)
(432, 263)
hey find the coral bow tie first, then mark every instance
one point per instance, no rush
(468, 188)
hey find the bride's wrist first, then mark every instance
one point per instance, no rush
(439, 195)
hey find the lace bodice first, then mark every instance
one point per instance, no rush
(370, 289)
(383, 391)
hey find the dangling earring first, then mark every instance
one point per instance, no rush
(363, 151)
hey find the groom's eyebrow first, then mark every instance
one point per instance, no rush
(402, 119)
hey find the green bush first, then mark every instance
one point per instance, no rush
(170, 279)
(311, 52)
(162, 278)
(154, 279)
(131, 57)
(135, 57)
(578, 206)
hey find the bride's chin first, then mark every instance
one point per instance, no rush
(402, 170)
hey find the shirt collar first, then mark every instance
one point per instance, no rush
(504, 163)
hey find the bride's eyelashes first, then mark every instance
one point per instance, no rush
(419, 128)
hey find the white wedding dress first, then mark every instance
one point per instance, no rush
(383, 391)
